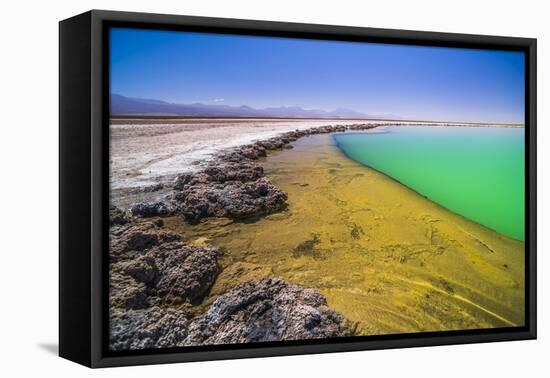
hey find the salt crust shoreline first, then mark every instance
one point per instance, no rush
(144, 154)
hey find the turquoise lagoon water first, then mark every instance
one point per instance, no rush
(477, 172)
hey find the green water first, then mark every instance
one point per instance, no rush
(477, 172)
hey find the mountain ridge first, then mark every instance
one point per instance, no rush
(123, 105)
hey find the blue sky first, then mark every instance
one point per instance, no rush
(409, 81)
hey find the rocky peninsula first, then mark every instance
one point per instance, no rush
(157, 281)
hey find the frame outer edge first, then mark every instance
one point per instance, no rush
(74, 192)
(97, 201)
(532, 51)
(100, 17)
(295, 27)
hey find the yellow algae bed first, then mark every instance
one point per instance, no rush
(385, 257)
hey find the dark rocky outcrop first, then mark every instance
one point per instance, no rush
(257, 311)
(229, 171)
(227, 189)
(147, 329)
(266, 310)
(222, 172)
(235, 199)
(153, 188)
(186, 273)
(153, 209)
(151, 266)
(133, 238)
(117, 216)
(126, 292)
(249, 152)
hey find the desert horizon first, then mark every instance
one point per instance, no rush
(117, 114)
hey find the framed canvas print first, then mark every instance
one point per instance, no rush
(233, 188)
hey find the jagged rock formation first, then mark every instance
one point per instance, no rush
(231, 199)
(266, 310)
(257, 311)
(147, 329)
(117, 216)
(151, 266)
(153, 209)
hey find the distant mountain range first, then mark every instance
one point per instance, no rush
(122, 105)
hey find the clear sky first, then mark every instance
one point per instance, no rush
(408, 81)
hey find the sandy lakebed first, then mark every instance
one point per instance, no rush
(384, 258)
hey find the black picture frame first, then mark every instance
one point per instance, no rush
(84, 190)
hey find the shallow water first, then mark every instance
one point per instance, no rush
(385, 257)
(477, 172)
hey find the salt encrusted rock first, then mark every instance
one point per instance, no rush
(253, 152)
(132, 239)
(142, 268)
(184, 180)
(126, 293)
(150, 328)
(186, 273)
(227, 189)
(224, 171)
(117, 216)
(152, 266)
(153, 209)
(266, 310)
(153, 188)
(272, 144)
(243, 172)
(233, 199)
